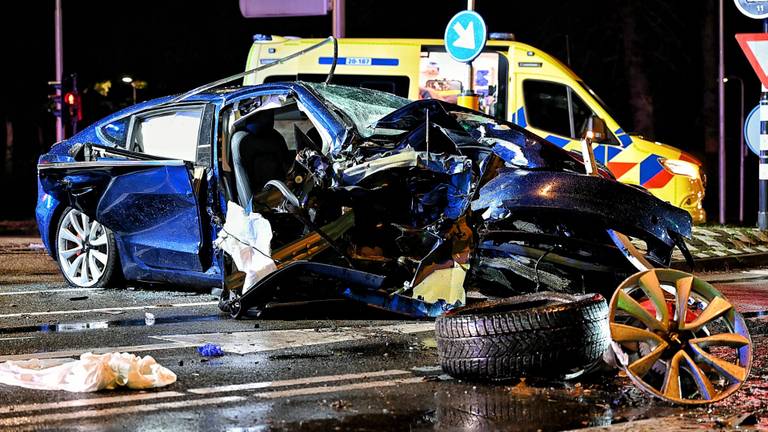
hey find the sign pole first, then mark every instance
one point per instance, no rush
(59, 48)
(755, 47)
(465, 37)
(468, 98)
(762, 214)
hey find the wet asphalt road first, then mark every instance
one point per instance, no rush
(323, 367)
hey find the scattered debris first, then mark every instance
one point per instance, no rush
(149, 318)
(79, 298)
(92, 372)
(746, 419)
(340, 404)
(210, 350)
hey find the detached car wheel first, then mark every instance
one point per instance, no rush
(544, 334)
(85, 250)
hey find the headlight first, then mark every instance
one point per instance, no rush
(681, 167)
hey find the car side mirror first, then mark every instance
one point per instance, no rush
(595, 130)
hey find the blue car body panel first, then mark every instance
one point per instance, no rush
(155, 216)
(153, 212)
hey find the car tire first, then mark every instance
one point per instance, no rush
(543, 334)
(86, 251)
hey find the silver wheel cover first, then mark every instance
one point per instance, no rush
(82, 249)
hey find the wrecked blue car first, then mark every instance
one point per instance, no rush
(302, 191)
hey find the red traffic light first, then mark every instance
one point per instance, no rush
(73, 101)
(70, 98)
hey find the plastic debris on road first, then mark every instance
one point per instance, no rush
(149, 318)
(92, 372)
(246, 238)
(210, 350)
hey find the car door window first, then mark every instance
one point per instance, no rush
(169, 134)
(116, 131)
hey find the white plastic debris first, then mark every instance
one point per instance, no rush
(91, 373)
(149, 318)
(247, 238)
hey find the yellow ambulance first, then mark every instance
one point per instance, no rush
(515, 81)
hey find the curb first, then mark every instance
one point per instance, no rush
(723, 248)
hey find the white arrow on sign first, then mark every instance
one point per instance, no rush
(466, 35)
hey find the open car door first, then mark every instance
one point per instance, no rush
(150, 205)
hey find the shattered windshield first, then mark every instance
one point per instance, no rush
(363, 106)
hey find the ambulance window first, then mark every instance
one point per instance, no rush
(546, 106)
(581, 114)
(397, 85)
(441, 77)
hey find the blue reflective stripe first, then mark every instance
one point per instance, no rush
(360, 61)
(625, 139)
(613, 152)
(649, 167)
(556, 140)
(619, 131)
(599, 151)
(521, 117)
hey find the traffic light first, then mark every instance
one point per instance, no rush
(74, 103)
(54, 99)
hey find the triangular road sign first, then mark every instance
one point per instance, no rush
(755, 47)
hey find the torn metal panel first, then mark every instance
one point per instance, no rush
(637, 213)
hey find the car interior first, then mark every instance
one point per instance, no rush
(264, 135)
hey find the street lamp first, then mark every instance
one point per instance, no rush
(129, 80)
(742, 150)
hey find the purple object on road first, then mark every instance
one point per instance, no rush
(210, 350)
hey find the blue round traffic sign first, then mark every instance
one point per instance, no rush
(465, 36)
(752, 130)
(757, 9)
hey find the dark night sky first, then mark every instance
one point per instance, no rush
(176, 45)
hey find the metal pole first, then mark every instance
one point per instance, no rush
(338, 17)
(470, 71)
(741, 151)
(59, 69)
(721, 118)
(762, 214)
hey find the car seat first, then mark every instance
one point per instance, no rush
(259, 154)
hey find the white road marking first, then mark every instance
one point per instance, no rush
(116, 412)
(107, 310)
(50, 291)
(101, 350)
(408, 327)
(164, 406)
(270, 340)
(297, 381)
(243, 342)
(87, 402)
(333, 389)
(16, 338)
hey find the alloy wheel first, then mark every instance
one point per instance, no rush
(83, 248)
(679, 338)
